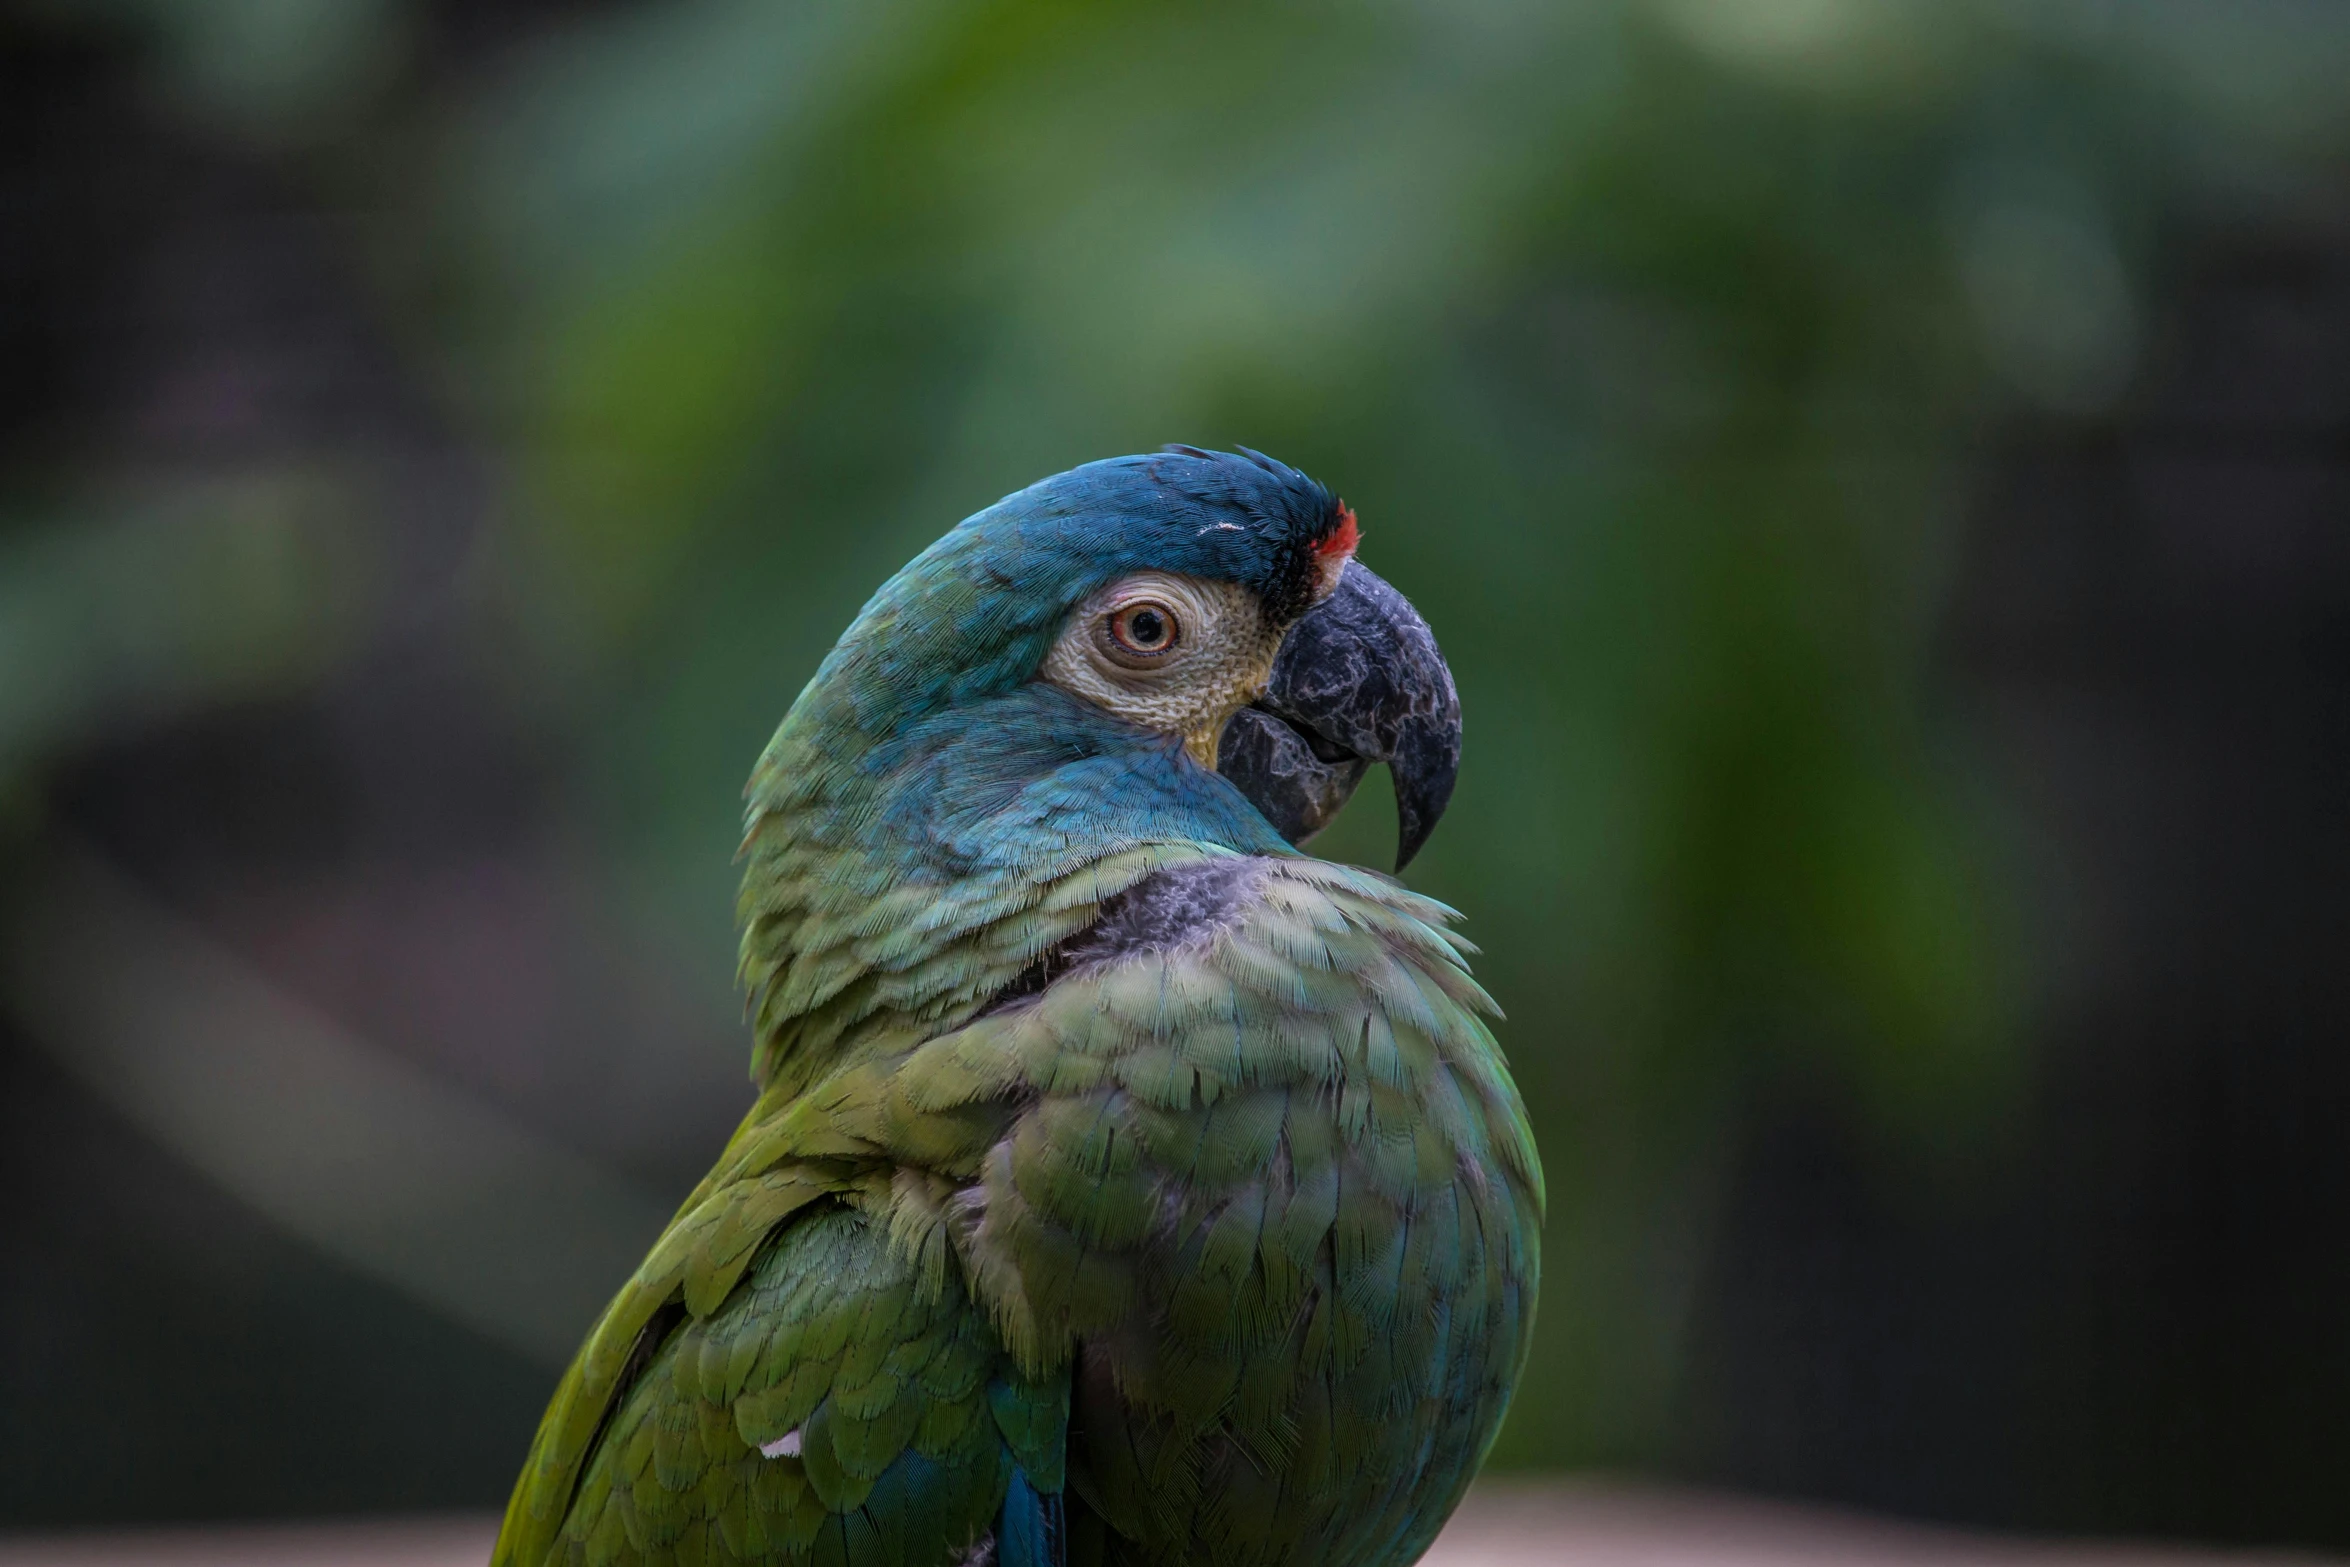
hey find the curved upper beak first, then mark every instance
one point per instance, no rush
(1358, 680)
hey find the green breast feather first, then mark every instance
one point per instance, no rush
(1245, 1184)
(1123, 1185)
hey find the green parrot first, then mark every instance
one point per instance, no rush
(1124, 1185)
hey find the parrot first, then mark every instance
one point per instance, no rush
(1124, 1185)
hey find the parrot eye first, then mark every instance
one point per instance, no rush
(1172, 653)
(1140, 635)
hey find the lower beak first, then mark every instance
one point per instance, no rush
(1358, 680)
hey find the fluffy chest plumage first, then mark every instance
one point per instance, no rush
(1219, 1227)
(1268, 1184)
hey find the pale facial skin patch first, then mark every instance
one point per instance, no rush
(1176, 654)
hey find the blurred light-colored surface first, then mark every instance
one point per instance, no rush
(1501, 1526)
(433, 1542)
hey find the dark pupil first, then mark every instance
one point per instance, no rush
(1146, 628)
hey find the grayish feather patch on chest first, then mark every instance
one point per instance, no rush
(1179, 906)
(1184, 904)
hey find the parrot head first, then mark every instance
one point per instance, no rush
(1179, 643)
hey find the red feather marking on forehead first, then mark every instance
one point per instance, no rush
(1342, 540)
(1333, 550)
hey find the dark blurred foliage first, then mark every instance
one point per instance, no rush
(1879, 469)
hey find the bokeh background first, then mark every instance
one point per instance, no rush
(1880, 470)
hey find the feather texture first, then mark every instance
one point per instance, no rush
(1279, 1245)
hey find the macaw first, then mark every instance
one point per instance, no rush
(1124, 1185)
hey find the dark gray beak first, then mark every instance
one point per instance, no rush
(1358, 680)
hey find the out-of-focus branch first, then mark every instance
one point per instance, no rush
(394, 1172)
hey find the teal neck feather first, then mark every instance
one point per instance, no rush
(894, 880)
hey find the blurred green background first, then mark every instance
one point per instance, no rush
(1880, 470)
